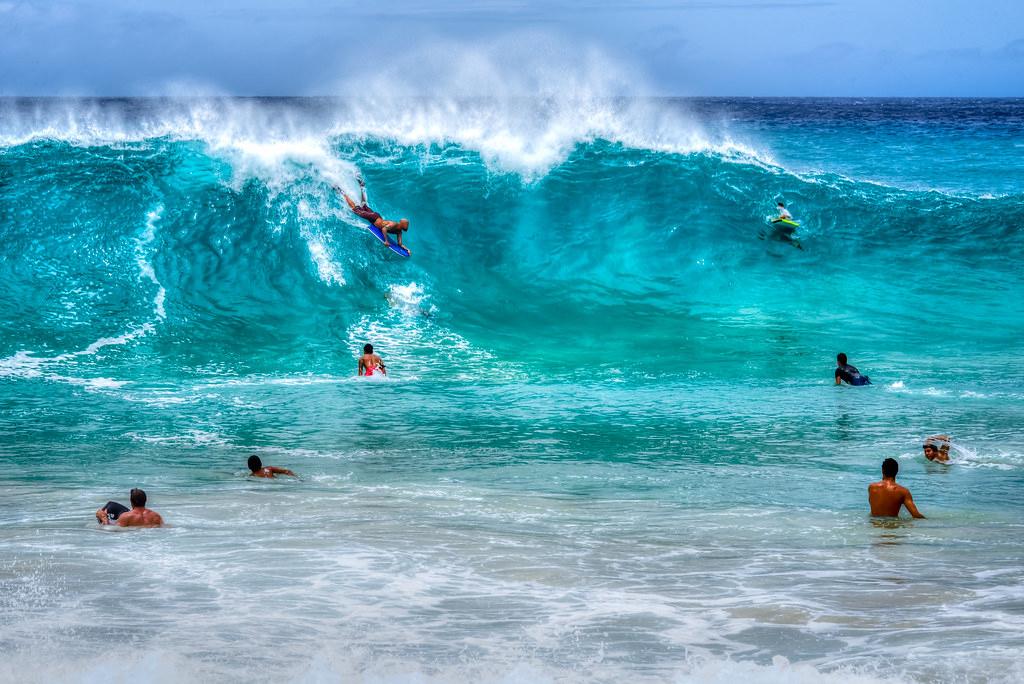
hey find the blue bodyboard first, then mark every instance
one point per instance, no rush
(377, 233)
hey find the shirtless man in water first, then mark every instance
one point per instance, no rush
(139, 516)
(366, 213)
(886, 497)
(369, 363)
(257, 469)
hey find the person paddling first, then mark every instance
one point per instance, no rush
(848, 373)
(257, 469)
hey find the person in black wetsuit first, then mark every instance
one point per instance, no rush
(849, 374)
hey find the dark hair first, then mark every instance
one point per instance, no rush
(781, 204)
(841, 358)
(367, 348)
(138, 498)
(890, 467)
(255, 463)
(929, 445)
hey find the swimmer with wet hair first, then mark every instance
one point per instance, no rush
(114, 513)
(936, 448)
(886, 497)
(257, 469)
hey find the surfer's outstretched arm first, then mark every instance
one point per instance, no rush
(348, 200)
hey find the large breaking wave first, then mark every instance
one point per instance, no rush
(205, 234)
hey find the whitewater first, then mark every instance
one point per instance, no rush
(609, 447)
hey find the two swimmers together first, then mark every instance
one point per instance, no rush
(114, 513)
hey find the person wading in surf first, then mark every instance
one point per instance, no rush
(370, 363)
(886, 497)
(114, 513)
(365, 212)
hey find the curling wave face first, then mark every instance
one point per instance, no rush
(153, 221)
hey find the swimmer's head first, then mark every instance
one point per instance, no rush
(782, 205)
(890, 467)
(841, 358)
(367, 348)
(255, 463)
(138, 498)
(403, 224)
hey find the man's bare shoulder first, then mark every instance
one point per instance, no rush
(151, 519)
(887, 484)
(146, 518)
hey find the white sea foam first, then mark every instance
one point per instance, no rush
(974, 458)
(522, 103)
(327, 268)
(201, 438)
(145, 267)
(26, 365)
(400, 338)
(410, 299)
(336, 664)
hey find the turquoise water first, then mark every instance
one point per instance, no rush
(609, 448)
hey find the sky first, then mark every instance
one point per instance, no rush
(661, 47)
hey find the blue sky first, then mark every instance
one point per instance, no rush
(301, 47)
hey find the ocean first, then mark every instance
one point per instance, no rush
(609, 447)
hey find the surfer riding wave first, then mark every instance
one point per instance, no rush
(364, 211)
